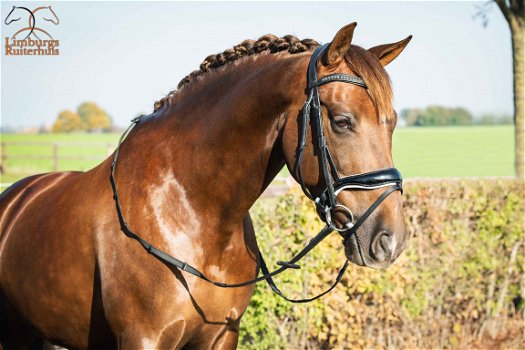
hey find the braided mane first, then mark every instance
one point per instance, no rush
(359, 60)
(268, 42)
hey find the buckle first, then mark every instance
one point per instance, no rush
(323, 211)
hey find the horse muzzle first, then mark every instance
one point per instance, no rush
(382, 249)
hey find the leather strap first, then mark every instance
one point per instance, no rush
(371, 178)
(338, 77)
(366, 181)
(277, 291)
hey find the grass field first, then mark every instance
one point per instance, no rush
(455, 151)
(418, 152)
(94, 146)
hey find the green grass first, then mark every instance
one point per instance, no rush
(19, 168)
(418, 152)
(454, 151)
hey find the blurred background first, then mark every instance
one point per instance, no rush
(460, 283)
(115, 60)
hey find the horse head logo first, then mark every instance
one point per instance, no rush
(16, 14)
(55, 21)
(17, 11)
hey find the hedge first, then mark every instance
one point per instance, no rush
(459, 283)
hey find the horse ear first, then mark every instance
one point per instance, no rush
(388, 52)
(340, 44)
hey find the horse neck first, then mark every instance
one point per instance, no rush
(219, 142)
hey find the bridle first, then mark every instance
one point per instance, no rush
(325, 203)
(334, 183)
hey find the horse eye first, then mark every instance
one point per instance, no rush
(343, 121)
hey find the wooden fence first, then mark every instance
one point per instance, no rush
(53, 155)
(278, 187)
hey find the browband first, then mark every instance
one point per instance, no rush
(338, 77)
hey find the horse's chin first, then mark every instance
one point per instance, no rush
(358, 255)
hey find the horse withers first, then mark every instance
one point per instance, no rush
(70, 272)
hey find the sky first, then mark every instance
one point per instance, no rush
(126, 55)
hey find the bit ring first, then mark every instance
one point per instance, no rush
(349, 224)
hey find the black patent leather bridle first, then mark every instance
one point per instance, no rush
(325, 203)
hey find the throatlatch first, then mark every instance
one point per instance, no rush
(325, 203)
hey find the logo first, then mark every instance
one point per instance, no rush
(31, 40)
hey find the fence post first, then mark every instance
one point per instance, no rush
(110, 148)
(55, 157)
(3, 162)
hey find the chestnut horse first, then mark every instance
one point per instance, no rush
(187, 175)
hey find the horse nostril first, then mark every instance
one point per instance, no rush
(380, 248)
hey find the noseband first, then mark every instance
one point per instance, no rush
(325, 203)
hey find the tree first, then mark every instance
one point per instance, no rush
(93, 117)
(436, 116)
(514, 13)
(494, 119)
(67, 121)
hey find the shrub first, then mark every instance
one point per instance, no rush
(459, 283)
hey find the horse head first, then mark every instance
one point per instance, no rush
(17, 11)
(52, 14)
(47, 11)
(11, 15)
(357, 120)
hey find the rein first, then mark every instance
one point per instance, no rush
(325, 203)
